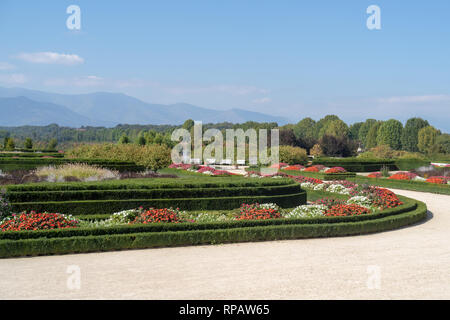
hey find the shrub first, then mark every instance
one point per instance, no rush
(37, 221)
(292, 155)
(337, 146)
(316, 150)
(152, 156)
(80, 171)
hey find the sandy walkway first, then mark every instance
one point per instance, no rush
(411, 263)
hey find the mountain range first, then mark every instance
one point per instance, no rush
(19, 107)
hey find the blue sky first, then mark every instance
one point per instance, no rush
(288, 58)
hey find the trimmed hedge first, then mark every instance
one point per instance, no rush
(108, 242)
(118, 194)
(153, 183)
(321, 175)
(404, 184)
(88, 207)
(356, 164)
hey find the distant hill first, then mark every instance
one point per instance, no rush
(22, 111)
(110, 109)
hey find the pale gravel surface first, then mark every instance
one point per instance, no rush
(414, 264)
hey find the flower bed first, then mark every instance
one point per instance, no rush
(257, 211)
(37, 221)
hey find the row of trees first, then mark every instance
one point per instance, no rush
(416, 136)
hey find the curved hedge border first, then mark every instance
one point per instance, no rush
(227, 193)
(89, 207)
(267, 230)
(321, 175)
(404, 184)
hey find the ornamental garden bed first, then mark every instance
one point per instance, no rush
(107, 197)
(347, 210)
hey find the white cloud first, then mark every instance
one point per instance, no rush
(14, 78)
(416, 99)
(6, 66)
(51, 58)
(262, 100)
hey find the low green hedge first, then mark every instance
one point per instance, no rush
(404, 184)
(153, 183)
(118, 194)
(141, 240)
(30, 155)
(321, 175)
(356, 164)
(88, 207)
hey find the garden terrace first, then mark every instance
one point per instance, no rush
(25, 163)
(60, 241)
(112, 196)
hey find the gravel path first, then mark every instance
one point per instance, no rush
(410, 263)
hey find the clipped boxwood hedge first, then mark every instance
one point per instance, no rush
(321, 175)
(140, 240)
(88, 207)
(356, 164)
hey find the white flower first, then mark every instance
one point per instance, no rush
(273, 206)
(320, 186)
(338, 188)
(307, 185)
(361, 201)
(419, 178)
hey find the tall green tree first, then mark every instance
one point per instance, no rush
(322, 124)
(427, 138)
(52, 144)
(28, 144)
(304, 129)
(390, 134)
(10, 144)
(410, 133)
(336, 128)
(364, 130)
(372, 135)
(353, 132)
(124, 139)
